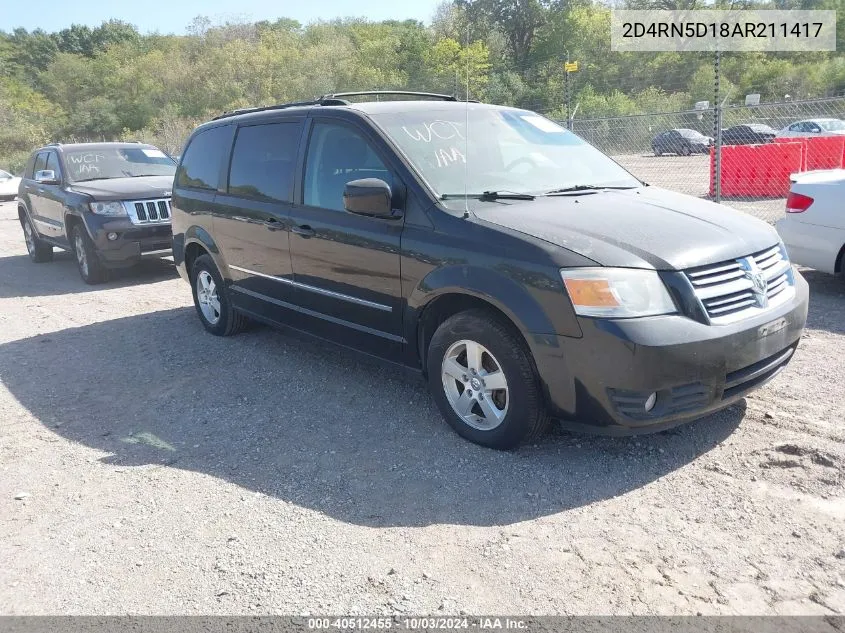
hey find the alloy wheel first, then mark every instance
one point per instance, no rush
(475, 385)
(29, 237)
(207, 297)
(81, 257)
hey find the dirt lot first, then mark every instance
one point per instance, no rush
(168, 471)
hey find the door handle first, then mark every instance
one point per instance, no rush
(304, 230)
(272, 224)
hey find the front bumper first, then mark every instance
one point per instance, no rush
(133, 242)
(600, 382)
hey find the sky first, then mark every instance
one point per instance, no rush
(173, 16)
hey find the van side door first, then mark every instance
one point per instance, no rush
(347, 266)
(252, 214)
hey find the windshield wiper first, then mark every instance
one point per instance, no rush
(489, 195)
(587, 188)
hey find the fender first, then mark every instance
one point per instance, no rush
(198, 235)
(523, 306)
(71, 212)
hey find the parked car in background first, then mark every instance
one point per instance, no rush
(748, 134)
(682, 142)
(107, 203)
(527, 275)
(8, 185)
(813, 127)
(814, 227)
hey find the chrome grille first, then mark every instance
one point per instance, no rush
(728, 292)
(149, 211)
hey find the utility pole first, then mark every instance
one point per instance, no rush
(717, 129)
(566, 91)
(568, 67)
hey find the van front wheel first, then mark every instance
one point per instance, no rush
(482, 377)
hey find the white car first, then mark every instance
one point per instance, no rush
(814, 227)
(813, 127)
(8, 185)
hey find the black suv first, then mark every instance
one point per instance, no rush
(525, 273)
(108, 203)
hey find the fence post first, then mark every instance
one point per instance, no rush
(717, 131)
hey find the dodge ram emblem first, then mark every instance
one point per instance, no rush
(759, 284)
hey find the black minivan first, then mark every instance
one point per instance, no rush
(525, 273)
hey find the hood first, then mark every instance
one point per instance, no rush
(126, 188)
(636, 228)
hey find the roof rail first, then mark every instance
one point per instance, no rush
(282, 106)
(336, 99)
(363, 93)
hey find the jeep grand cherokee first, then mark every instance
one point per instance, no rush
(524, 272)
(107, 203)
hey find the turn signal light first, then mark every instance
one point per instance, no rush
(797, 202)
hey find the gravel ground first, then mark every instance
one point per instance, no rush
(149, 468)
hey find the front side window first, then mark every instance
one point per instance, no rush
(40, 162)
(4, 175)
(53, 163)
(337, 155)
(116, 162)
(486, 148)
(200, 167)
(263, 162)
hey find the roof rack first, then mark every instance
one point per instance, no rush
(336, 99)
(431, 95)
(328, 100)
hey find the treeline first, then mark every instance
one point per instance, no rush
(113, 82)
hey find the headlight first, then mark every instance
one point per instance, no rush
(108, 208)
(617, 292)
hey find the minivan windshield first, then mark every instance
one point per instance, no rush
(117, 162)
(486, 149)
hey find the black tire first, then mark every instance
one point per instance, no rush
(685, 150)
(87, 258)
(526, 417)
(39, 250)
(657, 152)
(230, 321)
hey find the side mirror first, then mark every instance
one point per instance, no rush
(46, 177)
(368, 196)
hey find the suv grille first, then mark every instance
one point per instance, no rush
(741, 288)
(149, 211)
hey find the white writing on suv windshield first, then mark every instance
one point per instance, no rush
(443, 130)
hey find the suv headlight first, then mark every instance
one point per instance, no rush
(617, 292)
(113, 208)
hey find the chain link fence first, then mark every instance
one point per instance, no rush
(761, 145)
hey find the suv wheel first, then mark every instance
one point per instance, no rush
(483, 380)
(88, 262)
(39, 251)
(211, 299)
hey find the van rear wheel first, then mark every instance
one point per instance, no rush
(211, 299)
(483, 380)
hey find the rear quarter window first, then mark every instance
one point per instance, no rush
(200, 167)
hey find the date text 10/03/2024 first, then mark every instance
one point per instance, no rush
(420, 623)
